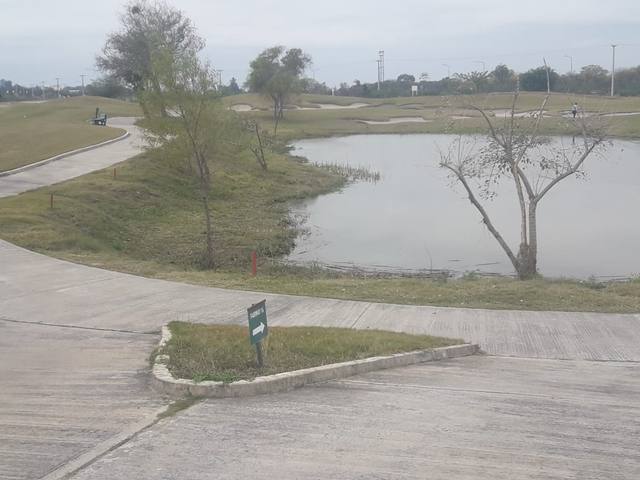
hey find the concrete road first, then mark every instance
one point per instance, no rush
(466, 419)
(66, 390)
(78, 164)
(55, 313)
(42, 289)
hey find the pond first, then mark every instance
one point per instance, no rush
(416, 217)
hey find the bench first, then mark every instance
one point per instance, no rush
(99, 119)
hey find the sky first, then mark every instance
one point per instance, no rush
(41, 40)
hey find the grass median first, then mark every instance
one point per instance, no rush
(223, 353)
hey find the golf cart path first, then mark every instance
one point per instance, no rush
(39, 289)
(78, 164)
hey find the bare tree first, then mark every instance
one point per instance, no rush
(258, 142)
(516, 150)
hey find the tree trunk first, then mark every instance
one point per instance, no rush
(527, 266)
(208, 257)
(205, 184)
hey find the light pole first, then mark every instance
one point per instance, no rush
(613, 68)
(484, 68)
(82, 76)
(448, 69)
(571, 63)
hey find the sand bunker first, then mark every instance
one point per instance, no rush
(242, 107)
(396, 120)
(330, 106)
(529, 114)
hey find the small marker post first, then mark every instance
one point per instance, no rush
(259, 354)
(51, 201)
(254, 263)
(114, 172)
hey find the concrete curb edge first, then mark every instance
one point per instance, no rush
(63, 155)
(165, 382)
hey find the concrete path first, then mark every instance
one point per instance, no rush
(78, 164)
(74, 344)
(466, 419)
(64, 391)
(42, 289)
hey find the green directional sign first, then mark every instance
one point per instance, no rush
(258, 322)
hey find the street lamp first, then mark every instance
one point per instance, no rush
(570, 60)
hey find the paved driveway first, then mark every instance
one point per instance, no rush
(475, 418)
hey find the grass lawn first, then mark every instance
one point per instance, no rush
(148, 221)
(30, 132)
(442, 114)
(223, 353)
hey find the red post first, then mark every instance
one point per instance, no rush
(51, 200)
(254, 263)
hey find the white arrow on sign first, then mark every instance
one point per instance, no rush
(258, 329)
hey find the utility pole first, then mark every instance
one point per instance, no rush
(44, 94)
(58, 86)
(613, 68)
(448, 69)
(380, 67)
(82, 76)
(484, 68)
(571, 63)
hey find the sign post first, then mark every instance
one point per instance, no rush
(258, 327)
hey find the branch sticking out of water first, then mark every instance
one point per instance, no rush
(351, 173)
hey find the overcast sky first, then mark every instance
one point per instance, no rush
(41, 40)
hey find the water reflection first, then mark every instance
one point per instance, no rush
(413, 219)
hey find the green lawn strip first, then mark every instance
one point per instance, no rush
(223, 352)
(30, 132)
(152, 212)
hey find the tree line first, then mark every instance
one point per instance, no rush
(591, 79)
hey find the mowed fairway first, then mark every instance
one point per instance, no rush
(436, 114)
(30, 132)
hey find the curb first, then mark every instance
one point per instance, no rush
(63, 155)
(165, 382)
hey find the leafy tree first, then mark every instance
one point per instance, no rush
(517, 152)
(276, 73)
(147, 28)
(535, 80)
(109, 87)
(406, 78)
(199, 130)
(594, 79)
(628, 81)
(502, 74)
(234, 88)
(477, 79)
